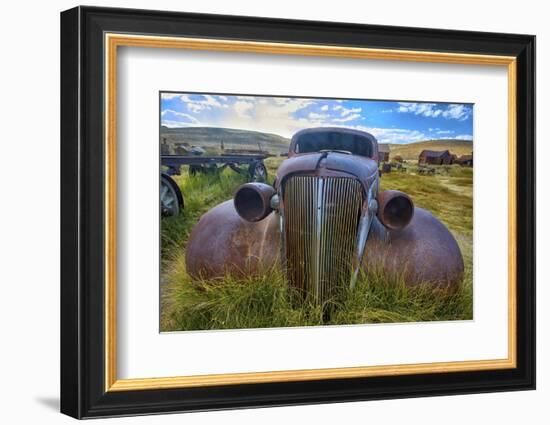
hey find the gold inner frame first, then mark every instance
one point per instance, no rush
(113, 41)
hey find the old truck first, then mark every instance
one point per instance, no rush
(323, 221)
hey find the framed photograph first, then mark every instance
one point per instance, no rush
(261, 212)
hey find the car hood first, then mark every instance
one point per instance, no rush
(329, 164)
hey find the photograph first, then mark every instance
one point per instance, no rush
(262, 211)
(287, 211)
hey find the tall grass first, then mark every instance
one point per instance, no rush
(268, 300)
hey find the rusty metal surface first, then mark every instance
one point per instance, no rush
(395, 209)
(253, 201)
(223, 243)
(305, 163)
(322, 256)
(320, 227)
(365, 169)
(367, 136)
(329, 164)
(423, 252)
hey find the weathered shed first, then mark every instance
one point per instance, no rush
(466, 160)
(435, 157)
(383, 152)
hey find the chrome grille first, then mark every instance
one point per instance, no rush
(321, 216)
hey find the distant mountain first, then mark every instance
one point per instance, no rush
(210, 138)
(412, 150)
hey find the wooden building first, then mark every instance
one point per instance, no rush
(466, 160)
(435, 157)
(383, 152)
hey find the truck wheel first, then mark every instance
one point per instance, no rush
(257, 172)
(171, 199)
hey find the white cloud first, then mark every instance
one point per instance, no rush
(274, 115)
(176, 114)
(444, 131)
(452, 111)
(289, 105)
(324, 108)
(347, 118)
(243, 108)
(464, 137)
(424, 109)
(168, 96)
(346, 111)
(394, 135)
(204, 102)
(175, 124)
(195, 107)
(316, 116)
(457, 112)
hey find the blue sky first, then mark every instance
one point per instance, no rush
(388, 121)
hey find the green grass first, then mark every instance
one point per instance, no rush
(268, 301)
(447, 195)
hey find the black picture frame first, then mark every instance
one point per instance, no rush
(83, 392)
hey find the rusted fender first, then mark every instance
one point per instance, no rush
(223, 243)
(424, 251)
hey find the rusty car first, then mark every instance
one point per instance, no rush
(323, 222)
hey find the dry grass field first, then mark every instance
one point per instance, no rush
(410, 151)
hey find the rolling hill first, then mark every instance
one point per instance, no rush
(210, 138)
(412, 150)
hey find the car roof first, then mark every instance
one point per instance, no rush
(345, 130)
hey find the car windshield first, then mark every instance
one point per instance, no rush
(334, 141)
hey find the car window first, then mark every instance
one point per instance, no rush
(334, 141)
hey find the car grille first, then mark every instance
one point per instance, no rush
(321, 216)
